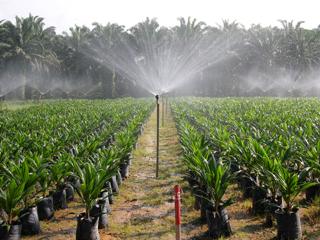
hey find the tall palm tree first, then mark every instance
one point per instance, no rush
(78, 42)
(300, 48)
(24, 42)
(107, 45)
(189, 29)
(264, 45)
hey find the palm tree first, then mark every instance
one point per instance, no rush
(262, 52)
(264, 44)
(189, 29)
(300, 48)
(79, 63)
(24, 42)
(105, 43)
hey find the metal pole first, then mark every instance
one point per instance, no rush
(162, 110)
(157, 164)
(166, 104)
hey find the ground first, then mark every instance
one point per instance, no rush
(144, 209)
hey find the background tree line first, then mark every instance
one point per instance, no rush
(36, 62)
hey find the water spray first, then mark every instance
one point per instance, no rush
(157, 161)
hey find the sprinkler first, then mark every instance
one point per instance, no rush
(166, 104)
(157, 163)
(1, 102)
(162, 102)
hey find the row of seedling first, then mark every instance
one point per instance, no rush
(242, 143)
(35, 186)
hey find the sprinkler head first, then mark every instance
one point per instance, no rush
(157, 97)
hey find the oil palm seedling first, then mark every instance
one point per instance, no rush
(210, 179)
(124, 141)
(194, 146)
(45, 202)
(29, 215)
(217, 178)
(15, 199)
(290, 184)
(106, 194)
(312, 161)
(92, 180)
(266, 167)
(245, 156)
(59, 171)
(11, 195)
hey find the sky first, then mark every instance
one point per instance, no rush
(66, 13)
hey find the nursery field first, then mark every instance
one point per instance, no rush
(248, 167)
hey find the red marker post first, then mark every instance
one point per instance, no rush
(177, 203)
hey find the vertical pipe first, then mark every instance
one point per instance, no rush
(158, 123)
(162, 110)
(166, 104)
(1, 102)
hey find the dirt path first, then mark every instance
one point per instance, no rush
(145, 209)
